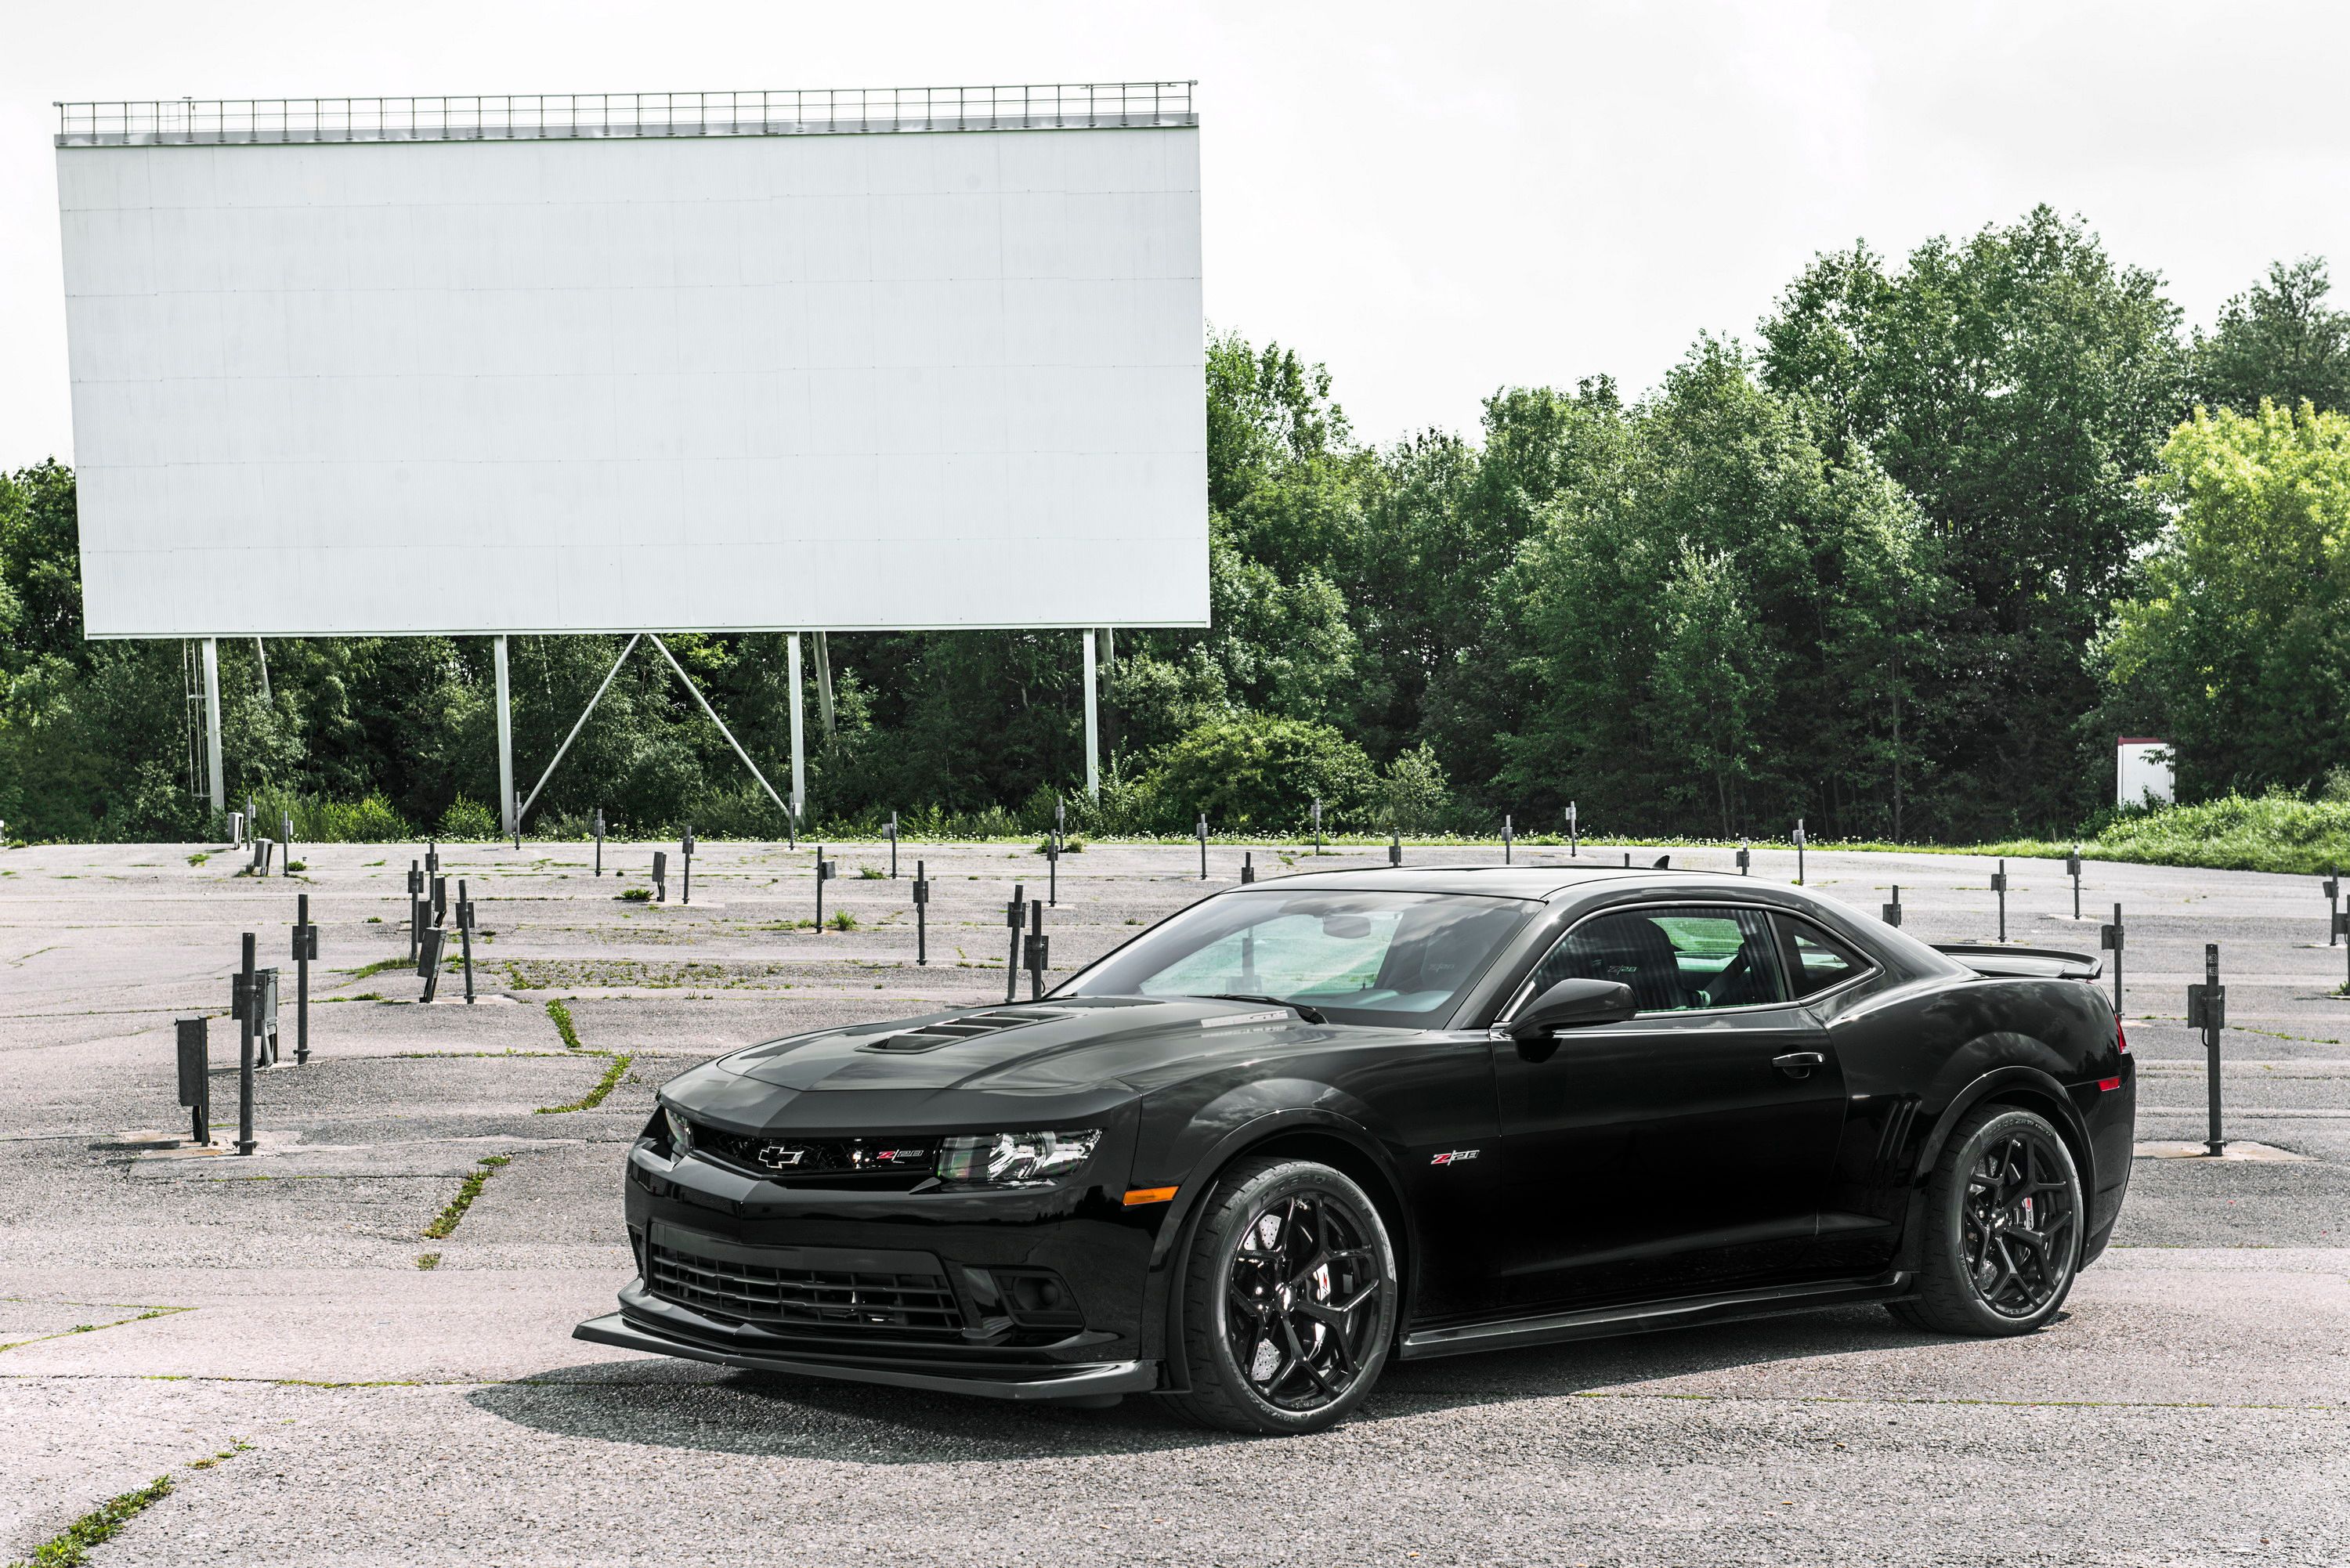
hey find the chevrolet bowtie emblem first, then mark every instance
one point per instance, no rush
(776, 1156)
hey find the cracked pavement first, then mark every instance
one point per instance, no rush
(2193, 1403)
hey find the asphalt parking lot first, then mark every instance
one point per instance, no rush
(326, 1383)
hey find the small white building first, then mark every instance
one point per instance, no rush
(2142, 772)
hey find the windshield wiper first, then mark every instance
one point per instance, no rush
(1311, 1015)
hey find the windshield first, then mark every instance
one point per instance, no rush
(1400, 958)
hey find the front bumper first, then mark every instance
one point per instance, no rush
(913, 1290)
(1081, 1380)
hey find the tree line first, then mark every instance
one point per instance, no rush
(1901, 566)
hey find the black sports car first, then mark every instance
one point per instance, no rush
(1305, 1126)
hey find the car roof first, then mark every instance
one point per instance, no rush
(1532, 882)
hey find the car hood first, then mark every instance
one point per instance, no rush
(1076, 1054)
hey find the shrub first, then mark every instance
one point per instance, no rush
(636, 895)
(842, 921)
(1414, 796)
(468, 820)
(1250, 772)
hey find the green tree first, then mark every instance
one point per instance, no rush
(2236, 646)
(1711, 635)
(2278, 341)
(2018, 384)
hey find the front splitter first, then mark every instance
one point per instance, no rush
(1084, 1381)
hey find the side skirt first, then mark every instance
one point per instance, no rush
(1600, 1323)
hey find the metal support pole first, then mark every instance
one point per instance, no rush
(1745, 858)
(1508, 835)
(415, 891)
(2073, 869)
(213, 775)
(465, 937)
(1036, 949)
(305, 948)
(1093, 727)
(685, 848)
(1053, 870)
(823, 685)
(800, 752)
(712, 714)
(1799, 852)
(2332, 887)
(893, 847)
(1248, 868)
(285, 829)
(1999, 886)
(660, 876)
(1573, 848)
(1203, 846)
(2109, 940)
(922, 916)
(2207, 1008)
(825, 870)
(1317, 824)
(599, 841)
(261, 659)
(1892, 911)
(247, 1006)
(1394, 847)
(512, 824)
(1013, 914)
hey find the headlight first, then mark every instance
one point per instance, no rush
(681, 1134)
(1014, 1158)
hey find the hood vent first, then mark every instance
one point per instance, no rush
(930, 1036)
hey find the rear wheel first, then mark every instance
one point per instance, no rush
(2003, 1228)
(1289, 1300)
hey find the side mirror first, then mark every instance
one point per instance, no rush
(1572, 1003)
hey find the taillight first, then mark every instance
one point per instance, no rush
(2120, 1038)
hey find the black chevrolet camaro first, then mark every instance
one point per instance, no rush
(1308, 1124)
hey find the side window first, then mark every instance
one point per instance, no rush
(1818, 960)
(1676, 960)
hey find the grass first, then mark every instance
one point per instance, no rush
(69, 1548)
(872, 874)
(2235, 833)
(636, 895)
(379, 966)
(446, 1221)
(561, 1014)
(595, 1097)
(842, 921)
(428, 1260)
(199, 859)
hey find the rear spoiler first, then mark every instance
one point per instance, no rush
(1999, 962)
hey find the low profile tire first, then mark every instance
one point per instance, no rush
(1289, 1300)
(2003, 1228)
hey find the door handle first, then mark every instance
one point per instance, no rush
(1799, 1063)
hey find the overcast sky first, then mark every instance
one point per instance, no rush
(1434, 200)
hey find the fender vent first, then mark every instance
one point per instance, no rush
(995, 1020)
(1895, 1138)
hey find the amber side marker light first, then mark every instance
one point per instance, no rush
(1141, 1195)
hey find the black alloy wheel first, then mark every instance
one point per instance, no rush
(1290, 1299)
(2004, 1222)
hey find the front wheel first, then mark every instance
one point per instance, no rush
(1289, 1300)
(2003, 1228)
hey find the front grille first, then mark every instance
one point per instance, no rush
(873, 1161)
(804, 1298)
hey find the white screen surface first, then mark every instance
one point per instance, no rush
(907, 380)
